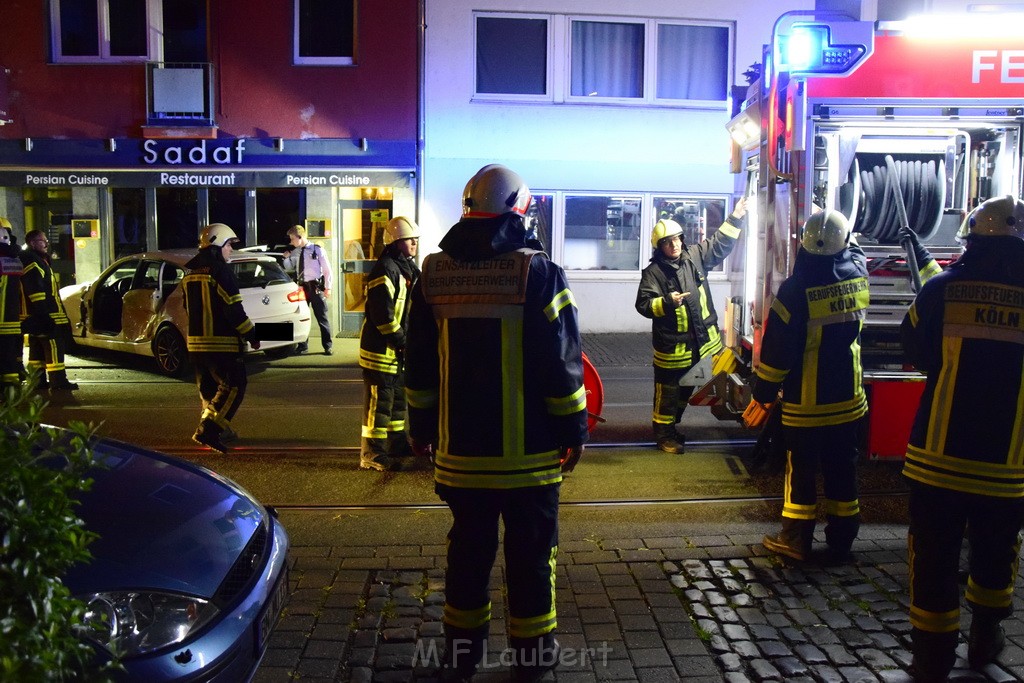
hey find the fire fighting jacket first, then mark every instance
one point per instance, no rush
(10, 290)
(40, 295)
(382, 338)
(217, 322)
(965, 330)
(811, 341)
(682, 335)
(494, 367)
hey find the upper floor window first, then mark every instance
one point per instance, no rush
(104, 30)
(325, 32)
(603, 59)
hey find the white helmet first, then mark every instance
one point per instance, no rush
(825, 233)
(493, 191)
(400, 228)
(6, 231)
(664, 228)
(216, 235)
(997, 216)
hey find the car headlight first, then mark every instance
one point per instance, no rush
(132, 623)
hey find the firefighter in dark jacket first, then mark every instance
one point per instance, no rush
(218, 329)
(382, 348)
(11, 340)
(45, 321)
(675, 294)
(811, 349)
(965, 458)
(494, 379)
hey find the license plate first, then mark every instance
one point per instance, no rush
(274, 332)
(272, 610)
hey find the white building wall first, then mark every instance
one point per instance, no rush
(577, 147)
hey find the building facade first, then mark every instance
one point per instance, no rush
(129, 126)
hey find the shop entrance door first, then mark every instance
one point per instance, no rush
(362, 241)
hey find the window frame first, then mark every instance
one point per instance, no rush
(549, 80)
(154, 31)
(299, 60)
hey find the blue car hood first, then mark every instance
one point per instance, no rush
(163, 524)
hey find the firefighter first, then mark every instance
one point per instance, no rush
(11, 341)
(675, 294)
(811, 350)
(44, 318)
(218, 328)
(382, 347)
(965, 458)
(495, 387)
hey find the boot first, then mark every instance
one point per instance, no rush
(667, 439)
(373, 456)
(534, 657)
(463, 651)
(986, 640)
(934, 655)
(208, 434)
(794, 540)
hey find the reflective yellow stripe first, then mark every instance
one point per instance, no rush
(469, 619)
(1017, 438)
(513, 421)
(658, 307)
(989, 597)
(842, 508)
(934, 622)
(533, 626)
(444, 355)
(561, 300)
(771, 374)
(567, 405)
(809, 378)
(789, 508)
(781, 310)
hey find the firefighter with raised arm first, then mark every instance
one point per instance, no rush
(811, 351)
(965, 458)
(218, 329)
(675, 294)
(382, 347)
(494, 379)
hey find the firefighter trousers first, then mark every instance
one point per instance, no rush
(938, 520)
(384, 410)
(530, 516)
(222, 380)
(46, 355)
(670, 399)
(11, 348)
(832, 449)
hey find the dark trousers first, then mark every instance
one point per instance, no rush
(222, 380)
(530, 516)
(670, 399)
(384, 411)
(318, 305)
(46, 354)
(832, 450)
(11, 346)
(938, 519)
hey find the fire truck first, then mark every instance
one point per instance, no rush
(893, 128)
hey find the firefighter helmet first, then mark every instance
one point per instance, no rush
(400, 228)
(217, 235)
(825, 233)
(664, 228)
(4, 223)
(997, 216)
(495, 190)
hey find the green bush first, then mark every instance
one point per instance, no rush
(41, 537)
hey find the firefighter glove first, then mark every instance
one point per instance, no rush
(756, 414)
(910, 241)
(569, 456)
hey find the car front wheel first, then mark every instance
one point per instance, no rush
(169, 351)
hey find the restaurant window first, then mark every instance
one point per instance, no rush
(177, 218)
(277, 210)
(512, 55)
(324, 32)
(699, 217)
(129, 214)
(602, 232)
(104, 30)
(227, 206)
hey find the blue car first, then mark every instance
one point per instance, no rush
(189, 573)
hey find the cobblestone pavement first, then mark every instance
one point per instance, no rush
(694, 609)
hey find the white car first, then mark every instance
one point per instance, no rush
(135, 306)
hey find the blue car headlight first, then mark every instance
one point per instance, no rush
(132, 623)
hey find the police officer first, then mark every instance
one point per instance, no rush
(11, 343)
(495, 388)
(811, 349)
(218, 328)
(965, 458)
(45, 321)
(313, 273)
(675, 294)
(382, 347)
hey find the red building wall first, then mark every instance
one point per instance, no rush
(259, 93)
